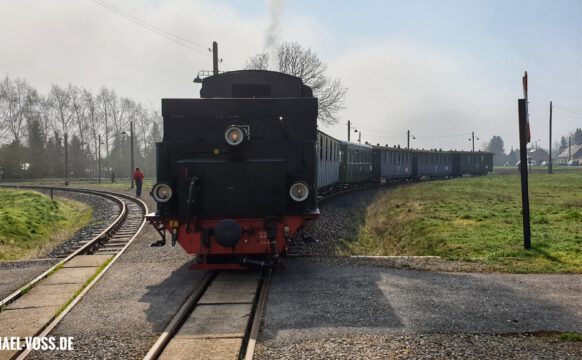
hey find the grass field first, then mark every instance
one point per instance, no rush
(479, 220)
(31, 224)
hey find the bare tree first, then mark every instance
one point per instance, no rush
(293, 59)
(60, 100)
(79, 110)
(6, 107)
(117, 109)
(103, 101)
(93, 123)
(258, 62)
(142, 126)
(42, 121)
(14, 96)
(46, 118)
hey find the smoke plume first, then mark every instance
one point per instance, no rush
(273, 31)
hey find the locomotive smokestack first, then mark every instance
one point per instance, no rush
(215, 58)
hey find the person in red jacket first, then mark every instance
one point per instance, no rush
(138, 177)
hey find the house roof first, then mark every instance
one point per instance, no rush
(575, 152)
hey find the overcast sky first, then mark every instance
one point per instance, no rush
(441, 69)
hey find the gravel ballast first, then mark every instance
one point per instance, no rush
(422, 346)
(124, 313)
(105, 212)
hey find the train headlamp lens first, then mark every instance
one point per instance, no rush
(162, 193)
(234, 135)
(299, 191)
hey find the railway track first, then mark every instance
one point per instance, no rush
(76, 268)
(219, 320)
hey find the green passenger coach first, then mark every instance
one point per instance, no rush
(355, 163)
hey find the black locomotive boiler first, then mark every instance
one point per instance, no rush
(236, 169)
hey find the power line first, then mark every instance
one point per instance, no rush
(443, 136)
(568, 108)
(570, 115)
(569, 112)
(177, 39)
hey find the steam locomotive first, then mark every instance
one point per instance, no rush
(240, 169)
(236, 169)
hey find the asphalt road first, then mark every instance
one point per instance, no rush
(313, 299)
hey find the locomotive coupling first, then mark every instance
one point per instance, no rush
(227, 233)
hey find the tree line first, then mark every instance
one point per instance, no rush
(496, 146)
(34, 127)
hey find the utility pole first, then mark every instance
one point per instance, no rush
(360, 137)
(473, 139)
(131, 146)
(523, 140)
(99, 157)
(569, 147)
(214, 60)
(66, 162)
(550, 154)
(408, 139)
(349, 130)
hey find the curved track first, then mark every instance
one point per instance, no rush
(110, 241)
(109, 244)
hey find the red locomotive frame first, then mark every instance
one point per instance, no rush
(254, 241)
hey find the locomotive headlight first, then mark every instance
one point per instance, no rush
(234, 135)
(162, 193)
(299, 191)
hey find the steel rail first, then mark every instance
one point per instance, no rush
(49, 327)
(105, 233)
(178, 319)
(249, 352)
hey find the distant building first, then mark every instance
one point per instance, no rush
(570, 153)
(538, 155)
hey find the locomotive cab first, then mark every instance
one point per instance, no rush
(236, 169)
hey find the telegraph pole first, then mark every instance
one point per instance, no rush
(360, 137)
(523, 140)
(215, 58)
(66, 162)
(550, 154)
(132, 159)
(99, 157)
(349, 130)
